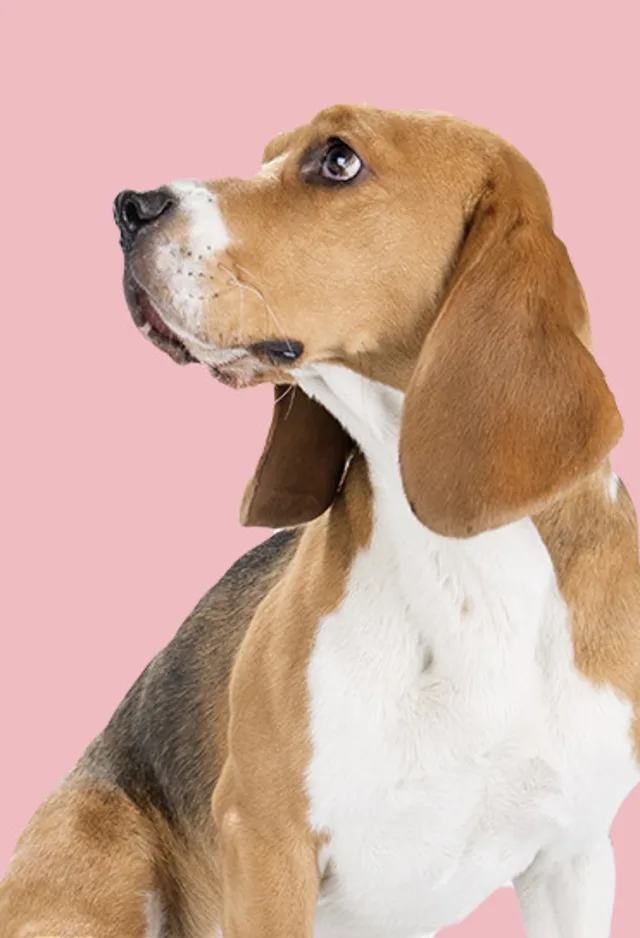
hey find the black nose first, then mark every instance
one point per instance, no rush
(133, 210)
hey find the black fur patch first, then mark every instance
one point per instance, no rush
(159, 746)
(278, 351)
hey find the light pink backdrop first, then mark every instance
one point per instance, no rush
(122, 474)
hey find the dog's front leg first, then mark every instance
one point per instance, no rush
(268, 850)
(269, 870)
(569, 898)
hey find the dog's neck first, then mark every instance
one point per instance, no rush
(369, 411)
(512, 555)
(371, 414)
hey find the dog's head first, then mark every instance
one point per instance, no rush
(415, 249)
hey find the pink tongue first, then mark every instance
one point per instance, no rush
(154, 319)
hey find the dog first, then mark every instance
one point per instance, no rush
(426, 683)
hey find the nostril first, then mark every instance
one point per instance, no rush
(131, 216)
(134, 210)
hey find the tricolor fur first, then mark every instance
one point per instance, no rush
(430, 685)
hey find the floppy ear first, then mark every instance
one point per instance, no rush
(506, 407)
(301, 466)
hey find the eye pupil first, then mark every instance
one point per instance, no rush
(341, 163)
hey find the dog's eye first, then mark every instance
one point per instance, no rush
(331, 163)
(340, 163)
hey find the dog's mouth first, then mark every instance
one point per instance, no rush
(236, 367)
(152, 325)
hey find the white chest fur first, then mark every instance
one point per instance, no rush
(453, 738)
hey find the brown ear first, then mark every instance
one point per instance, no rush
(506, 407)
(301, 465)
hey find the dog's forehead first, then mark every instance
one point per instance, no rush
(332, 121)
(387, 133)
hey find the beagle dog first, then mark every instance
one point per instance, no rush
(427, 683)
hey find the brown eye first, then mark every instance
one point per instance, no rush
(340, 163)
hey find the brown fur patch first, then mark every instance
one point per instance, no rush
(84, 867)
(288, 488)
(270, 874)
(593, 543)
(506, 407)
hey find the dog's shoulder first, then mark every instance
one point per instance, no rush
(166, 742)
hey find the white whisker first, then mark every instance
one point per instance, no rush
(259, 294)
(292, 391)
(284, 394)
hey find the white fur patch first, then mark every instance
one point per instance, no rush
(272, 168)
(184, 268)
(613, 486)
(454, 741)
(154, 916)
(207, 231)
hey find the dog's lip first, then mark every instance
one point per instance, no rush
(225, 364)
(151, 324)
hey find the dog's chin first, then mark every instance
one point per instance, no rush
(237, 376)
(152, 325)
(258, 362)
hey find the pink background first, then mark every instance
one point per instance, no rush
(122, 474)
